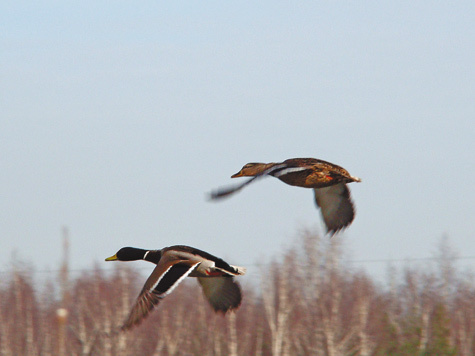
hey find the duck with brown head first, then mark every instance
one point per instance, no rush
(329, 182)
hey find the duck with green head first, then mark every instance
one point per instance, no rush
(174, 263)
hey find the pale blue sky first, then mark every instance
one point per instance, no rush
(117, 118)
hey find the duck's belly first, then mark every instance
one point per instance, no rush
(303, 179)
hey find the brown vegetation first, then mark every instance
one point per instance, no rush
(306, 303)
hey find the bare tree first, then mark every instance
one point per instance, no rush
(463, 320)
(445, 257)
(365, 300)
(277, 300)
(307, 303)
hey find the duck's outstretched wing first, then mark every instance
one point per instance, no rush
(336, 206)
(164, 278)
(226, 191)
(222, 293)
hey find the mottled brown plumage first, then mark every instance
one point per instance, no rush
(328, 181)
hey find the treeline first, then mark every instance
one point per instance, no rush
(306, 303)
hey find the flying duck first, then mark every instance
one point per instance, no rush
(174, 263)
(327, 180)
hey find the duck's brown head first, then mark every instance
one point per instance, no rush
(251, 169)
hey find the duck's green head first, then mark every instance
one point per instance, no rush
(128, 254)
